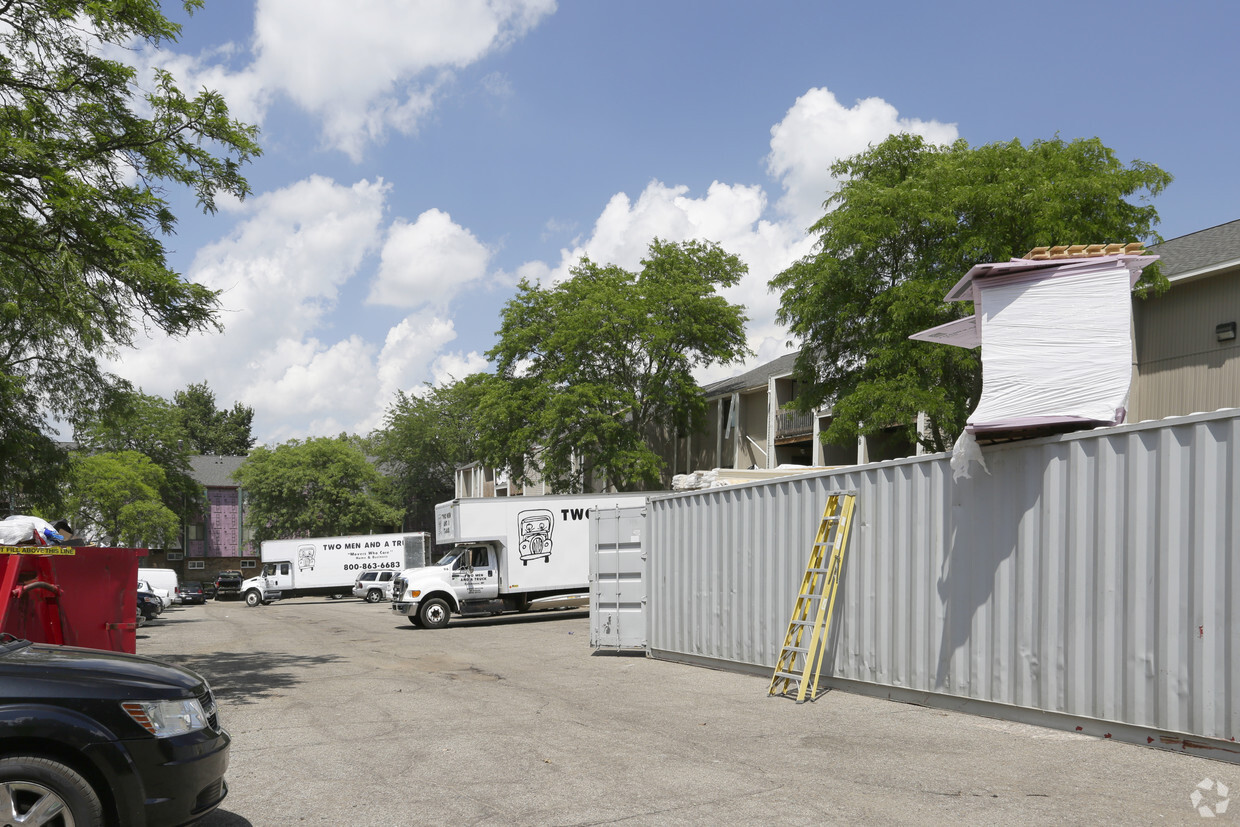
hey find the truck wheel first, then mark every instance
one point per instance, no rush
(434, 613)
(42, 787)
(374, 596)
(413, 619)
(253, 598)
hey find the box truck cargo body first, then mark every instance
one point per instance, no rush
(329, 565)
(505, 552)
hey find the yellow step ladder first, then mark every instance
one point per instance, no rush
(815, 604)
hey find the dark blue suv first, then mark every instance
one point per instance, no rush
(89, 737)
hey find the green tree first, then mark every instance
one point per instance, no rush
(86, 158)
(152, 426)
(908, 221)
(115, 498)
(592, 369)
(425, 439)
(315, 488)
(210, 430)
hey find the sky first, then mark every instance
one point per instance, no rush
(420, 157)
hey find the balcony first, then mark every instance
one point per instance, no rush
(791, 426)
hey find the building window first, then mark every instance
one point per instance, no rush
(249, 564)
(176, 555)
(196, 531)
(197, 564)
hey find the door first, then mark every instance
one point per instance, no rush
(279, 576)
(474, 574)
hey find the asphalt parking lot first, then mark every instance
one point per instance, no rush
(341, 712)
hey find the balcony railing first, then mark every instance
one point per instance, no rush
(790, 424)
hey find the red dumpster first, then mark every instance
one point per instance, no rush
(71, 595)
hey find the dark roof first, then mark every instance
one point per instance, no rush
(753, 378)
(1199, 250)
(215, 472)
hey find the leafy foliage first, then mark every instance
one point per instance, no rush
(425, 439)
(116, 498)
(588, 370)
(85, 156)
(212, 431)
(152, 426)
(319, 487)
(908, 221)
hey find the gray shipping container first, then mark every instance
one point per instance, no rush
(1085, 581)
(617, 578)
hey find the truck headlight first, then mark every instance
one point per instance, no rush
(163, 719)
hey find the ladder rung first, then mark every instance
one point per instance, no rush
(801, 649)
(790, 675)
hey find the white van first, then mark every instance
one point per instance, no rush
(163, 579)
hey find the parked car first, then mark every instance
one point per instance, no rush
(191, 592)
(90, 737)
(228, 585)
(149, 605)
(374, 586)
(165, 599)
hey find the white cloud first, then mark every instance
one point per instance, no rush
(427, 262)
(365, 68)
(280, 272)
(817, 131)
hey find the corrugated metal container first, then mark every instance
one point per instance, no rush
(1086, 579)
(617, 578)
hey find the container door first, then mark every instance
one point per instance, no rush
(617, 578)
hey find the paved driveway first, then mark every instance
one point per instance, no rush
(342, 713)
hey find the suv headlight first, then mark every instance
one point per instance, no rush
(163, 719)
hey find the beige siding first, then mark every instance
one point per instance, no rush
(1182, 368)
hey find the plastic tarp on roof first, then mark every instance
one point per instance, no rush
(1056, 340)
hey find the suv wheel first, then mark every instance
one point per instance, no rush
(374, 596)
(42, 789)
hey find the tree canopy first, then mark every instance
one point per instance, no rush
(908, 221)
(151, 426)
(86, 157)
(589, 370)
(425, 439)
(115, 500)
(210, 430)
(319, 487)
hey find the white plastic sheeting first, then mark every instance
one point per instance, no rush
(1056, 339)
(1056, 348)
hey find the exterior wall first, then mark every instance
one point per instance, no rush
(752, 446)
(223, 523)
(1182, 368)
(1091, 577)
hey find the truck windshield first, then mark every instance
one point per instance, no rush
(449, 558)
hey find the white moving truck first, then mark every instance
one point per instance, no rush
(506, 552)
(329, 565)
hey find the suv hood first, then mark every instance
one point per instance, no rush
(98, 667)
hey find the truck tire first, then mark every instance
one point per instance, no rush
(374, 596)
(434, 613)
(253, 597)
(32, 783)
(413, 619)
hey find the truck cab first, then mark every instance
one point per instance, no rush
(267, 586)
(464, 581)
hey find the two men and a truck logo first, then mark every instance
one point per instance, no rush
(534, 529)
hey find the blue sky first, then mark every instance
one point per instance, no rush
(420, 156)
